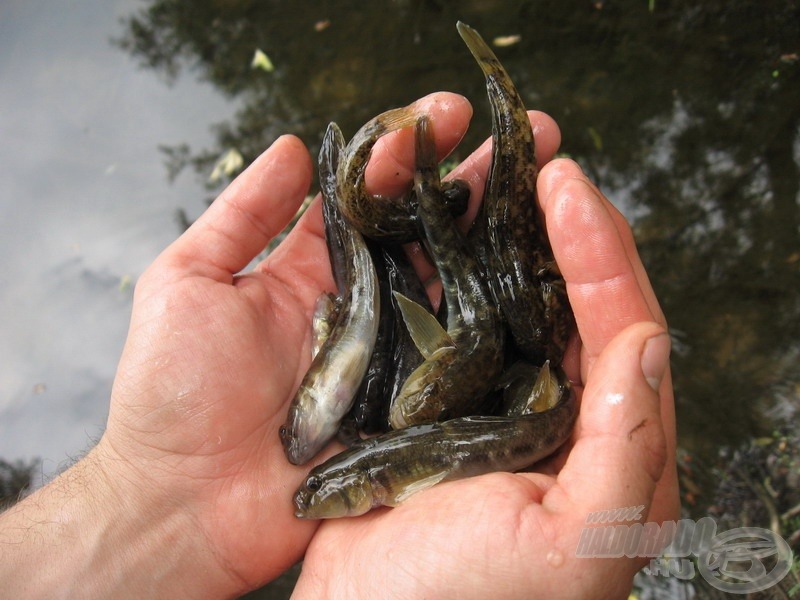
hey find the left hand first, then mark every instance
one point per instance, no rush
(213, 358)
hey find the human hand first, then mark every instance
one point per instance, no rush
(507, 535)
(213, 359)
(189, 493)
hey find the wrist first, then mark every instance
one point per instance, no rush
(97, 532)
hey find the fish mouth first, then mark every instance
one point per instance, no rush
(301, 505)
(286, 434)
(396, 419)
(298, 454)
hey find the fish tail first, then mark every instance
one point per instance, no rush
(427, 167)
(391, 120)
(487, 60)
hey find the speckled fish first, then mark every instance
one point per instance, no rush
(522, 271)
(378, 217)
(330, 384)
(387, 469)
(461, 363)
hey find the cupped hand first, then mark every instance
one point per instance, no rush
(213, 358)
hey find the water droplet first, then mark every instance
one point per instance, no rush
(555, 558)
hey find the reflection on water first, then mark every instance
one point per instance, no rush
(687, 115)
(84, 208)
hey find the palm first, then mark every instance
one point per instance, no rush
(215, 433)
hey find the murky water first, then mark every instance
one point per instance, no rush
(688, 117)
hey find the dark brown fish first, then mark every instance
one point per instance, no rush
(462, 363)
(387, 469)
(378, 217)
(519, 261)
(331, 382)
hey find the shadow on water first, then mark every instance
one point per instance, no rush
(687, 115)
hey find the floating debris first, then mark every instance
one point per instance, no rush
(125, 283)
(228, 164)
(501, 41)
(262, 61)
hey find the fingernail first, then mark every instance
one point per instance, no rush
(655, 358)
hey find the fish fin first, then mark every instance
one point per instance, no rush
(486, 59)
(545, 392)
(326, 311)
(428, 334)
(396, 118)
(418, 486)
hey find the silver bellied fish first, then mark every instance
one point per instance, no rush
(387, 469)
(462, 363)
(522, 271)
(328, 388)
(378, 217)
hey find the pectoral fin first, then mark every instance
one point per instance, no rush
(428, 335)
(326, 312)
(417, 486)
(545, 392)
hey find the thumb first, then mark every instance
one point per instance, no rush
(620, 449)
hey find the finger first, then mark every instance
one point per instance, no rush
(475, 168)
(607, 286)
(254, 208)
(301, 260)
(621, 446)
(391, 166)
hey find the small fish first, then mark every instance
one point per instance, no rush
(329, 387)
(377, 217)
(522, 271)
(371, 407)
(404, 283)
(387, 469)
(461, 363)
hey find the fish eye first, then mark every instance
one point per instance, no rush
(313, 483)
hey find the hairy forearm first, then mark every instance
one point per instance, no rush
(83, 536)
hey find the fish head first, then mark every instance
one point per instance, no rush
(325, 495)
(306, 429)
(420, 398)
